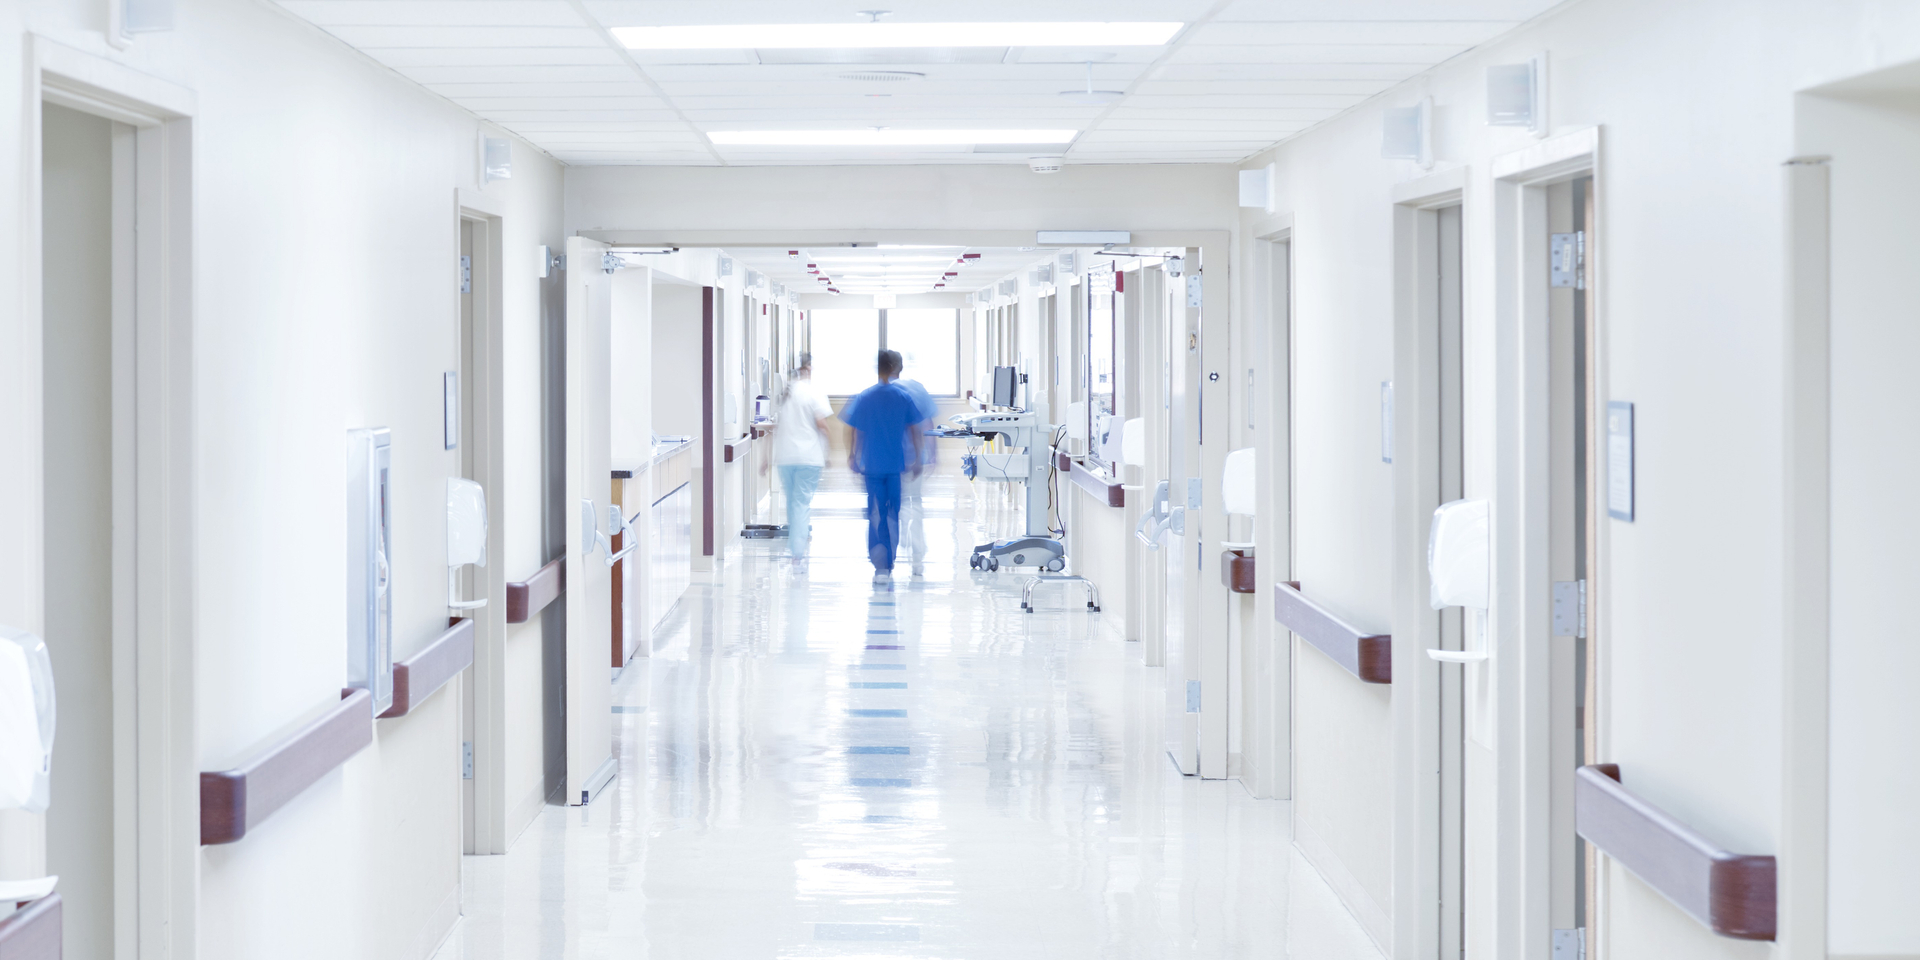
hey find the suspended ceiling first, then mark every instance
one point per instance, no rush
(1240, 76)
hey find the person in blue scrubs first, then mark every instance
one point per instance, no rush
(912, 509)
(885, 445)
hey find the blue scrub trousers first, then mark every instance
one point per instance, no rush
(883, 520)
(800, 481)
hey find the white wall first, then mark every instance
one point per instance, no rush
(325, 226)
(1695, 106)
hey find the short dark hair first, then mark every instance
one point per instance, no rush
(890, 361)
(806, 360)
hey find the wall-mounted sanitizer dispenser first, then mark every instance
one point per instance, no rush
(1459, 549)
(26, 740)
(370, 564)
(466, 536)
(26, 721)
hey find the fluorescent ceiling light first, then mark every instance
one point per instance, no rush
(885, 137)
(883, 259)
(813, 36)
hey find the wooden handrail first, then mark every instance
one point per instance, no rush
(1236, 571)
(526, 599)
(1104, 490)
(235, 801)
(417, 677)
(729, 452)
(1732, 893)
(1368, 656)
(33, 931)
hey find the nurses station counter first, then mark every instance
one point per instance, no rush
(657, 497)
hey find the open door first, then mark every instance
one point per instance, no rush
(589, 469)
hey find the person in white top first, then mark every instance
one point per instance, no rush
(800, 451)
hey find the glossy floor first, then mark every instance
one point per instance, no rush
(812, 766)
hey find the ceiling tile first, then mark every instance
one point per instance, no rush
(1405, 53)
(1352, 32)
(1385, 9)
(373, 38)
(436, 13)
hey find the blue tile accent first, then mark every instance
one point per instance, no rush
(876, 713)
(881, 603)
(891, 932)
(887, 750)
(620, 708)
(885, 646)
(879, 666)
(879, 782)
(883, 631)
(870, 685)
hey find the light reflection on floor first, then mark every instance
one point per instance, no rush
(778, 797)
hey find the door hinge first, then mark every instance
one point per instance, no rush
(466, 274)
(1570, 944)
(1569, 255)
(1570, 608)
(1193, 696)
(466, 760)
(611, 262)
(1194, 287)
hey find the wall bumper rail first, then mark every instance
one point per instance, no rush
(735, 449)
(235, 801)
(1731, 893)
(33, 931)
(1236, 571)
(1104, 490)
(1368, 656)
(528, 598)
(421, 675)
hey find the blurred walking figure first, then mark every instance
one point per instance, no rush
(885, 446)
(799, 451)
(912, 509)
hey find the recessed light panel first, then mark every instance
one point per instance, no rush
(884, 138)
(801, 36)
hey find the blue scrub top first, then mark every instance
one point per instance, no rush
(882, 413)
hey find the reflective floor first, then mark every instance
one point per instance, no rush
(812, 766)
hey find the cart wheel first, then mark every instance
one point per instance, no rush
(1056, 565)
(1095, 609)
(993, 564)
(974, 561)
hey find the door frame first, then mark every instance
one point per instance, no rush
(1419, 858)
(156, 754)
(1521, 631)
(1267, 663)
(484, 689)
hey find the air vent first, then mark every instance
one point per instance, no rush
(883, 76)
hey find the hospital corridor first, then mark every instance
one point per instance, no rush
(1106, 479)
(815, 767)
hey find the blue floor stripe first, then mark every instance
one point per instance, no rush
(873, 685)
(883, 631)
(885, 646)
(876, 713)
(879, 782)
(887, 750)
(892, 932)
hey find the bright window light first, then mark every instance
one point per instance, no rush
(884, 138)
(808, 36)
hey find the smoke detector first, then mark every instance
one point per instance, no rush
(1046, 164)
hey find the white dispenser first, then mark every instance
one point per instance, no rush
(466, 536)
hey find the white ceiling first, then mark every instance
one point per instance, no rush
(1242, 75)
(904, 270)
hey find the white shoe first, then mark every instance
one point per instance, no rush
(881, 577)
(919, 569)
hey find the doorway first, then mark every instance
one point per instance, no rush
(475, 434)
(102, 493)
